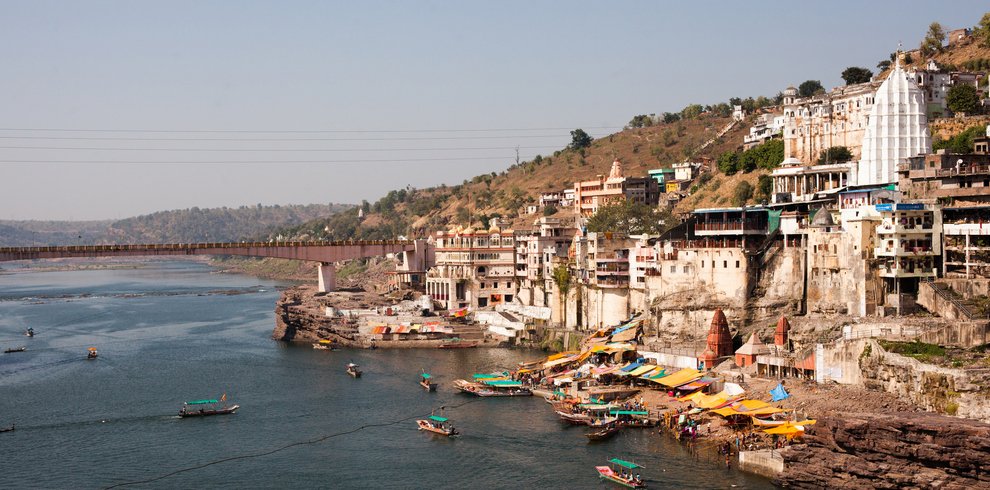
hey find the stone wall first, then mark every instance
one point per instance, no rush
(949, 127)
(889, 451)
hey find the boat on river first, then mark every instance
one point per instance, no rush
(603, 432)
(205, 408)
(437, 425)
(92, 353)
(324, 345)
(29, 332)
(7, 429)
(353, 370)
(15, 349)
(621, 472)
(493, 387)
(426, 381)
(457, 343)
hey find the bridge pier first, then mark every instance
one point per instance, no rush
(328, 277)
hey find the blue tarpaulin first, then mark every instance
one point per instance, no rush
(779, 393)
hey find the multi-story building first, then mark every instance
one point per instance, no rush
(642, 190)
(765, 128)
(935, 83)
(661, 175)
(837, 118)
(907, 246)
(474, 268)
(589, 195)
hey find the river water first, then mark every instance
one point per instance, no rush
(174, 331)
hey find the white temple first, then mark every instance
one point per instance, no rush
(897, 128)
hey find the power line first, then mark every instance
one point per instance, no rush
(249, 162)
(400, 138)
(107, 148)
(294, 131)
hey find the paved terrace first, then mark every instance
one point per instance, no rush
(324, 252)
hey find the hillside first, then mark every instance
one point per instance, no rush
(177, 226)
(416, 212)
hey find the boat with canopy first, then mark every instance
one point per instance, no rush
(203, 408)
(621, 472)
(493, 387)
(437, 425)
(92, 354)
(426, 381)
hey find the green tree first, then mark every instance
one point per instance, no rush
(728, 162)
(963, 98)
(835, 154)
(856, 74)
(933, 40)
(908, 59)
(764, 186)
(671, 117)
(365, 206)
(641, 121)
(962, 142)
(580, 139)
(691, 111)
(563, 279)
(810, 87)
(883, 65)
(982, 31)
(463, 215)
(742, 194)
(630, 218)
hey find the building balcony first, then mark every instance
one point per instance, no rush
(729, 228)
(966, 228)
(889, 228)
(907, 272)
(908, 251)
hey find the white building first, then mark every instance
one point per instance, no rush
(897, 129)
(766, 127)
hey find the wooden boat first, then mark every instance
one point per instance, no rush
(426, 381)
(7, 429)
(493, 388)
(29, 332)
(205, 408)
(353, 370)
(573, 418)
(621, 472)
(602, 422)
(603, 433)
(15, 349)
(324, 345)
(456, 343)
(437, 425)
(92, 353)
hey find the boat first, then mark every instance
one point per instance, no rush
(621, 472)
(457, 343)
(7, 429)
(204, 408)
(426, 381)
(15, 349)
(493, 387)
(574, 418)
(603, 433)
(324, 345)
(353, 370)
(29, 332)
(92, 353)
(437, 425)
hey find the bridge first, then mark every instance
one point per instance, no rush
(415, 254)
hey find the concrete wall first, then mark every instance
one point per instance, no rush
(839, 362)
(605, 306)
(765, 462)
(840, 279)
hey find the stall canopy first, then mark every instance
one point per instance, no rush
(642, 370)
(748, 407)
(653, 372)
(697, 384)
(679, 378)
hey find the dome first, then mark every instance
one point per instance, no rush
(616, 171)
(822, 219)
(790, 162)
(897, 129)
(468, 231)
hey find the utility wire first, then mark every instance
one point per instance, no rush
(248, 162)
(273, 451)
(390, 138)
(293, 131)
(107, 148)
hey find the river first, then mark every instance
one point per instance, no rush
(175, 331)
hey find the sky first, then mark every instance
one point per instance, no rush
(119, 108)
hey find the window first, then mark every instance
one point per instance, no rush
(673, 269)
(737, 264)
(508, 285)
(686, 268)
(725, 264)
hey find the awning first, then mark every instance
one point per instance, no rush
(698, 384)
(653, 372)
(595, 406)
(748, 407)
(624, 464)
(607, 370)
(642, 370)
(628, 412)
(558, 362)
(438, 419)
(679, 378)
(614, 347)
(502, 383)
(561, 354)
(631, 367)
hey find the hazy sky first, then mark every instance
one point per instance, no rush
(376, 86)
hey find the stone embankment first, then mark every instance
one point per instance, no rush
(890, 451)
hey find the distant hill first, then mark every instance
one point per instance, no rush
(177, 226)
